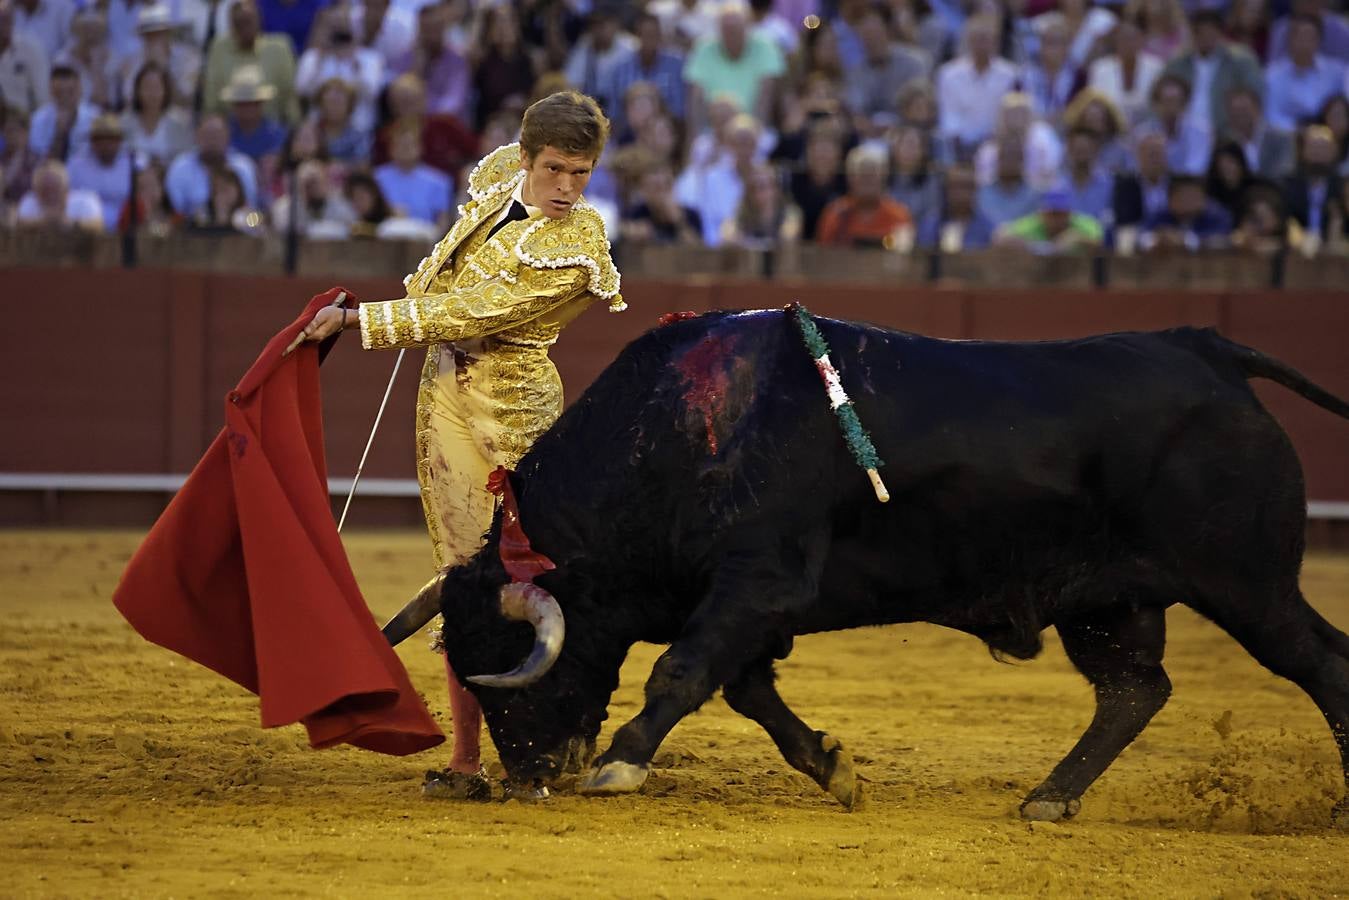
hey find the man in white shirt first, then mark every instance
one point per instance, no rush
(685, 22)
(45, 22)
(188, 181)
(51, 202)
(970, 88)
(1302, 82)
(713, 189)
(104, 168)
(61, 125)
(388, 30)
(23, 65)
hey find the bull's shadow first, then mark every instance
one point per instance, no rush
(700, 495)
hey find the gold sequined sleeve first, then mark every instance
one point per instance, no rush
(487, 308)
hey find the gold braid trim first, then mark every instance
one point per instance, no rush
(577, 239)
(495, 171)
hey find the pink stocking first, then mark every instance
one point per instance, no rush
(466, 715)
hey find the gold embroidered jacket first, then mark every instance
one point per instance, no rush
(503, 282)
(488, 310)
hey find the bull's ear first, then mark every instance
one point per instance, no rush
(523, 602)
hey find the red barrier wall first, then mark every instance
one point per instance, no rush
(112, 371)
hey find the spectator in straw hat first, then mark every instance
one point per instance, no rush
(156, 27)
(104, 167)
(252, 132)
(246, 45)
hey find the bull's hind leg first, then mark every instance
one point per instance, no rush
(1292, 640)
(1120, 653)
(819, 755)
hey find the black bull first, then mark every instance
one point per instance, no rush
(700, 495)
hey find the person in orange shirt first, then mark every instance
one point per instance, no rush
(866, 216)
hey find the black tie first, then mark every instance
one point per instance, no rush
(514, 214)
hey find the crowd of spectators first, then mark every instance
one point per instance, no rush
(1052, 125)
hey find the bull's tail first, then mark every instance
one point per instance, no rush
(1254, 364)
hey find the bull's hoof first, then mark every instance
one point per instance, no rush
(841, 781)
(1046, 810)
(612, 778)
(525, 793)
(1339, 814)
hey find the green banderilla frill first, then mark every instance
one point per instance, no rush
(859, 442)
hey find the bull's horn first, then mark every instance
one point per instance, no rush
(419, 610)
(530, 603)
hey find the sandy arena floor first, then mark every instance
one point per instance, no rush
(126, 771)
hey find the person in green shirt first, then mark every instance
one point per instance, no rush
(738, 61)
(1053, 228)
(246, 45)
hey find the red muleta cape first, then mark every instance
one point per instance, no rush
(245, 572)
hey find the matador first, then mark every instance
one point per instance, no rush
(526, 255)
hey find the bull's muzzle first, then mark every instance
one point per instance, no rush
(525, 602)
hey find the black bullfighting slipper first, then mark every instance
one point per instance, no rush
(448, 785)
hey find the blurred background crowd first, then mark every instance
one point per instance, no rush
(1054, 125)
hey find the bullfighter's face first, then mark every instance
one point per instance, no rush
(554, 180)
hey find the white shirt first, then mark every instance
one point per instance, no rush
(81, 206)
(48, 26)
(714, 191)
(678, 22)
(1107, 76)
(1042, 159)
(778, 29)
(24, 74)
(363, 68)
(172, 135)
(397, 32)
(1096, 24)
(518, 196)
(968, 101)
(1201, 92)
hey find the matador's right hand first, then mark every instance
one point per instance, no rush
(326, 323)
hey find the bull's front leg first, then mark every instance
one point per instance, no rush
(743, 619)
(683, 679)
